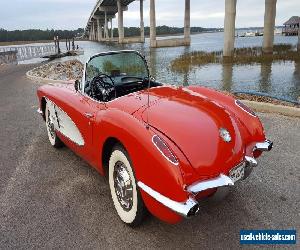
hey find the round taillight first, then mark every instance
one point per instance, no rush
(164, 149)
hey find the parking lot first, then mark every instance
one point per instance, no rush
(51, 198)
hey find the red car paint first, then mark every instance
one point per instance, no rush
(188, 120)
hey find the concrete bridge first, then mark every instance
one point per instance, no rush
(105, 10)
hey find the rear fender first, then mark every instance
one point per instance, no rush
(149, 165)
(250, 126)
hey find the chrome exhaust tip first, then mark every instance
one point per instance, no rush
(193, 211)
(264, 146)
(251, 162)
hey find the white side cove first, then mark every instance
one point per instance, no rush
(64, 124)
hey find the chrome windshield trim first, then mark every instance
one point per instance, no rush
(188, 208)
(264, 146)
(220, 181)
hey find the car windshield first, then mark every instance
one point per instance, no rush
(122, 67)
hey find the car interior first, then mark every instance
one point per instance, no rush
(114, 83)
(105, 88)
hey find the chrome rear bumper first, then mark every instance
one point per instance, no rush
(186, 209)
(264, 146)
(191, 207)
(220, 181)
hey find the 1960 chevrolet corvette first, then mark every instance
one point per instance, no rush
(163, 148)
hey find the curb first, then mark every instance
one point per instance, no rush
(42, 80)
(271, 108)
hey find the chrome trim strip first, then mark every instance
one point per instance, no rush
(244, 109)
(182, 208)
(264, 146)
(220, 181)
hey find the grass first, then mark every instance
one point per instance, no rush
(281, 52)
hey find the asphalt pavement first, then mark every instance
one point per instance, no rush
(51, 198)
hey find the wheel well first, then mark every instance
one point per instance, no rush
(43, 107)
(106, 152)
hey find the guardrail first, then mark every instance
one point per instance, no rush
(30, 52)
(8, 57)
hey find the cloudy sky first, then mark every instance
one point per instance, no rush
(71, 14)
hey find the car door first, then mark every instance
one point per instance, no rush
(75, 121)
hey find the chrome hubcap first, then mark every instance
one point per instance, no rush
(50, 126)
(123, 186)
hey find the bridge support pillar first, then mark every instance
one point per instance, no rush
(99, 30)
(185, 41)
(105, 26)
(111, 29)
(270, 15)
(187, 21)
(120, 21)
(93, 31)
(142, 21)
(229, 27)
(152, 24)
(298, 46)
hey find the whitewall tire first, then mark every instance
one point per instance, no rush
(53, 138)
(123, 187)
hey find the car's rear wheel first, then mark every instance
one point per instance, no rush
(53, 138)
(123, 187)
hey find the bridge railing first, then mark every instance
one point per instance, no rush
(30, 52)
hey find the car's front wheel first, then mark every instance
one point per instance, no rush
(53, 138)
(123, 187)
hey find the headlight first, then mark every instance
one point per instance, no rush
(164, 149)
(245, 108)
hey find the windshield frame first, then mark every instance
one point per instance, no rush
(111, 53)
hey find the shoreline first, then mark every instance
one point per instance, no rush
(63, 73)
(15, 43)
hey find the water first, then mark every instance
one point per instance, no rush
(278, 79)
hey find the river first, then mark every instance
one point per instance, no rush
(280, 79)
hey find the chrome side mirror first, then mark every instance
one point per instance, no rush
(152, 79)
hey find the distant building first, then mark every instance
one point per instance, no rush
(291, 27)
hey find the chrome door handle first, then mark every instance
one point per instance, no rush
(88, 115)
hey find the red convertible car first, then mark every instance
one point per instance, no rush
(164, 148)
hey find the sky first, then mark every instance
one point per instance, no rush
(73, 14)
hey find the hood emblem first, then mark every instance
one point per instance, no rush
(225, 135)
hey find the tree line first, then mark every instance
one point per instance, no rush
(37, 34)
(161, 30)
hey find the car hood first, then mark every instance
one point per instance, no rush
(193, 122)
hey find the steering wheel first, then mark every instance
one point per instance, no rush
(101, 89)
